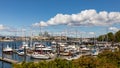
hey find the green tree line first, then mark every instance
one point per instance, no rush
(110, 37)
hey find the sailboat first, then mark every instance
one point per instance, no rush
(8, 49)
(40, 56)
(95, 51)
(24, 45)
(41, 51)
(20, 52)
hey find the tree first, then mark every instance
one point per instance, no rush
(110, 36)
(117, 36)
(3, 38)
(101, 38)
(107, 58)
(107, 37)
(86, 62)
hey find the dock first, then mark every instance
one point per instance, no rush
(8, 60)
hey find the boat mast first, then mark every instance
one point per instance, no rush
(107, 35)
(40, 30)
(31, 38)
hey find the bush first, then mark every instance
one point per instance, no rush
(106, 59)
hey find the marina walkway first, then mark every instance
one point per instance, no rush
(8, 60)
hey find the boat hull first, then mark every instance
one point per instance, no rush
(8, 52)
(40, 56)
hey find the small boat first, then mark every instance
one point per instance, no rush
(84, 48)
(95, 52)
(8, 49)
(40, 56)
(73, 57)
(41, 51)
(20, 52)
(38, 45)
(24, 45)
(53, 44)
(41, 48)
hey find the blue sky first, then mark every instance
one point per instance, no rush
(23, 13)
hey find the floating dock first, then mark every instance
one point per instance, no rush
(8, 60)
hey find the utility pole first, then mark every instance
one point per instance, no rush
(2, 52)
(58, 50)
(31, 38)
(24, 53)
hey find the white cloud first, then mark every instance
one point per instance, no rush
(42, 23)
(2, 27)
(85, 18)
(113, 29)
(92, 33)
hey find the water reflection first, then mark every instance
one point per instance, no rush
(14, 56)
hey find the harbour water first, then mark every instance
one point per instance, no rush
(5, 65)
(14, 56)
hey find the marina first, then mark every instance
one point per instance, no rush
(68, 46)
(14, 57)
(48, 52)
(59, 34)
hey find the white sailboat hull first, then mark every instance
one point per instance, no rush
(7, 49)
(20, 53)
(40, 56)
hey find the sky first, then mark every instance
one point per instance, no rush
(86, 17)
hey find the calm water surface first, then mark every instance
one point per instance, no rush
(15, 45)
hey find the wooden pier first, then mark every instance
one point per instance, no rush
(8, 60)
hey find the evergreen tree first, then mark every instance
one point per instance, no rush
(101, 38)
(110, 37)
(117, 36)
